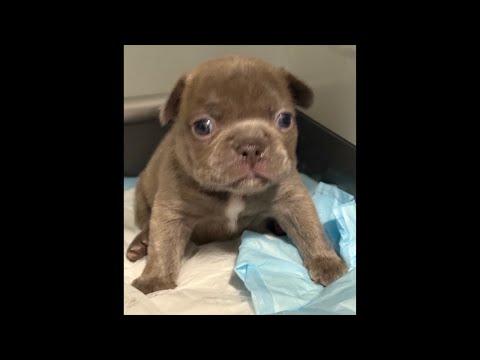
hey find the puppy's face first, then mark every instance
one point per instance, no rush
(235, 124)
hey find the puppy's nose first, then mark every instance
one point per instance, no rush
(252, 150)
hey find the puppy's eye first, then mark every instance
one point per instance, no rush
(203, 127)
(284, 120)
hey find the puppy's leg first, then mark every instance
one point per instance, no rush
(139, 245)
(300, 220)
(169, 234)
(142, 209)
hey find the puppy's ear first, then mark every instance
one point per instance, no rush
(301, 93)
(170, 109)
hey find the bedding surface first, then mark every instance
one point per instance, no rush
(207, 283)
(270, 267)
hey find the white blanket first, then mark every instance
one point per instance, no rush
(206, 285)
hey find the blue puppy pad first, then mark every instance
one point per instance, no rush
(272, 268)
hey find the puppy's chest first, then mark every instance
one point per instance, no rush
(231, 215)
(228, 217)
(235, 206)
(240, 213)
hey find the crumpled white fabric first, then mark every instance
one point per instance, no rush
(207, 283)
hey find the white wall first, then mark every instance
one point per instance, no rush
(330, 70)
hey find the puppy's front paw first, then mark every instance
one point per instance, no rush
(147, 284)
(326, 270)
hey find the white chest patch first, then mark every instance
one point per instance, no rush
(234, 207)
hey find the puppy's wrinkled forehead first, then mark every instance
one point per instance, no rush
(239, 88)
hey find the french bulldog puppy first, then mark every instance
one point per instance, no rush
(227, 164)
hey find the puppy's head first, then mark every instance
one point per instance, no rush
(235, 124)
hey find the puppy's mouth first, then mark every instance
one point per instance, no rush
(245, 176)
(251, 179)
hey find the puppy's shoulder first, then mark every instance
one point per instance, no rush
(291, 187)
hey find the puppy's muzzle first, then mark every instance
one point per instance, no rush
(252, 150)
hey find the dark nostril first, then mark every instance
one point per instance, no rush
(251, 150)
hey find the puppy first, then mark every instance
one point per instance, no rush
(227, 164)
